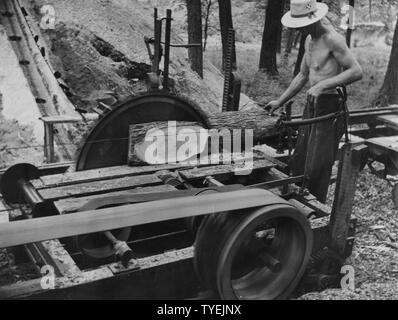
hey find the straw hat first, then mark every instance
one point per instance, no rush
(303, 13)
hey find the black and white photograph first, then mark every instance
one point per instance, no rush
(193, 153)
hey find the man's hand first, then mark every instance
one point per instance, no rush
(273, 106)
(314, 92)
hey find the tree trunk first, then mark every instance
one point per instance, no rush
(272, 29)
(195, 54)
(389, 90)
(350, 23)
(289, 41)
(334, 13)
(206, 27)
(225, 15)
(300, 55)
(370, 10)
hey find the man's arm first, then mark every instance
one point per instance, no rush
(295, 86)
(298, 82)
(352, 70)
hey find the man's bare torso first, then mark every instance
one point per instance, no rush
(319, 58)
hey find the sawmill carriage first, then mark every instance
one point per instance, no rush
(207, 229)
(198, 230)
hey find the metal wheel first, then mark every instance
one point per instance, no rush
(107, 145)
(258, 255)
(193, 223)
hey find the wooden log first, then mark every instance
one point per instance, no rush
(259, 121)
(162, 142)
(228, 131)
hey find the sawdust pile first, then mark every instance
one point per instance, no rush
(375, 252)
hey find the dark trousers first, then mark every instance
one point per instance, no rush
(317, 145)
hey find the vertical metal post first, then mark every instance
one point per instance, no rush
(228, 71)
(167, 50)
(157, 45)
(288, 110)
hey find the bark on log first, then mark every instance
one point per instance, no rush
(262, 124)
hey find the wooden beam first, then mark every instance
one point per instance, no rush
(98, 187)
(226, 171)
(389, 120)
(4, 218)
(69, 118)
(60, 258)
(70, 178)
(71, 205)
(349, 166)
(159, 277)
(309, 199)
(49, 142)
(40, 229)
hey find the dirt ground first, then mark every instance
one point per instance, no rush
(98, 47)
(375, 253)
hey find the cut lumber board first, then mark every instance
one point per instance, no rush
(389, 143)
(388, 147)
(163, 141)
(4, 217)
(224, 171)
(98, 187)
(71, 205)
(390, 120)
(69, 178)
(69, 118)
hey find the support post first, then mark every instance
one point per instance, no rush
(232, 82)
(167, 51)
(350, 163)
(49, 142)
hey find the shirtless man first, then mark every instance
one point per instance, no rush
(327, 64)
